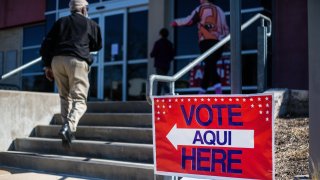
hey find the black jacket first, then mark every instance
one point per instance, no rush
(163, 53)
(74, 35)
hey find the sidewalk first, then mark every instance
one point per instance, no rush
(7, 173)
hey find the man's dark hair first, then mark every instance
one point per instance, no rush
(164, 33)
(212, 1)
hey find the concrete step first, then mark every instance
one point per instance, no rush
(119, 107)
(80, 166)
(112, 119)
(94, 149)
(118, 134)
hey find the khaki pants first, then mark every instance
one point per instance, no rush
(71, 76)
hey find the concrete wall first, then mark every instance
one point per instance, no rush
(11, 39)
(290, 102)
(21, 111)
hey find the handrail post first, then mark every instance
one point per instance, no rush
(262, 58)
(149, 92)
(236, 67)
(172, 88)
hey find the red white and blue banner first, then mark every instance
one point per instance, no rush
(214, 137)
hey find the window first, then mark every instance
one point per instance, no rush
(63, 4)
(8, 61)
(256, 4)
(33, 35)
(51, 5)
(93, 1)
(33, 78)
(245, 4)
(50, 19)
(113, 83)
(137, 35)
(137, 81)
(182, 82)
(113, 38)
(249, 69)
(137, 54)
(93, 79)
(32, 39)
(11, 61)
(186, 46)
(29, 55)
(249, 35)
(225, 5)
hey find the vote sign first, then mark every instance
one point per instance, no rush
(215, 137)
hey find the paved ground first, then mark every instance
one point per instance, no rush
(20, 174)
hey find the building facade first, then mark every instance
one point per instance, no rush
(129, 30)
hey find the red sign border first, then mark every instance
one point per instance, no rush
(224, 96)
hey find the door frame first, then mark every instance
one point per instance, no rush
(122, 62)
(125, 61)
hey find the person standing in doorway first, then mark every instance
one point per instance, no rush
(163, 53)
(66, 56)
(212, 27)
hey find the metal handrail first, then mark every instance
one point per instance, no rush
(5, 76)
(192, 64)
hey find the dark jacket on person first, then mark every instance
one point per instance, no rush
(73, 35)
(163, 53)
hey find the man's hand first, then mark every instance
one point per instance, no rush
(49, 74)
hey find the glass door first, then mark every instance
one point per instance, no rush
(93, 74)
(122, 65)
(137, 53)
(114, 57)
